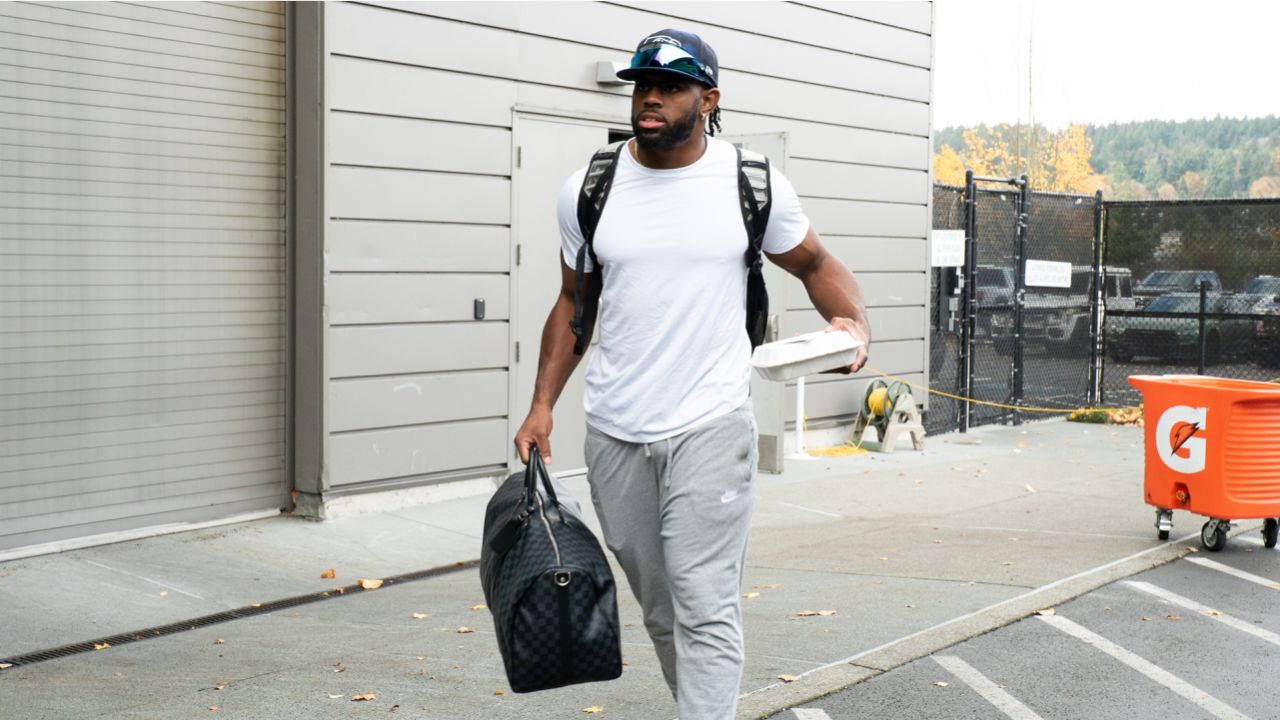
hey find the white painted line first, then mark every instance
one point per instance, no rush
(810, 714)
(1205, 610)
(808, 509)
(1256, 579)
(975, 613)
(1202, 699)
(153, 582)
(992, 693)
(1029, 531)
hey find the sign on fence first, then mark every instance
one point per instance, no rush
(1046, 273)
(947, 248)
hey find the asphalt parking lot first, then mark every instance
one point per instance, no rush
(1198, 637)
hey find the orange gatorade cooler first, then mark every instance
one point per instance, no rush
(1213, 449)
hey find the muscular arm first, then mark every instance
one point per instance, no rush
(556, 363)
(832, 288)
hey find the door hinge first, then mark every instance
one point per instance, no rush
(517, 253)
(517, 351)
(519, 155)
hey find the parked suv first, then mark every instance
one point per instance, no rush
(1163, 282)
(1057, 319)
(1264, 294)
(1174, 333)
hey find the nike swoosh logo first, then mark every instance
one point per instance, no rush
(729, 496)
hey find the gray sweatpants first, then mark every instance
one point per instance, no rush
(676, 514)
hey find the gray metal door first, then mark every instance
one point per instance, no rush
(142, 285)
(547, 152)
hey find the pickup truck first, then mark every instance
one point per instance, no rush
(1057, 319)
(1163, 282)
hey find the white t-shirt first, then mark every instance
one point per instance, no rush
(673, 349)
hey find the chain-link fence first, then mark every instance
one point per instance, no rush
(1057, 326)
(994, 302)
(1197, 289)
(943, 414)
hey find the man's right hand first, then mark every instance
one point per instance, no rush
(536, 430)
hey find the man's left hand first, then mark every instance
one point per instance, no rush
(839, 324)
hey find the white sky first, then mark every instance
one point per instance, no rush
(1100, 62)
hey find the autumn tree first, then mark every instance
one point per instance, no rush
(948, 167)
(1193, 183)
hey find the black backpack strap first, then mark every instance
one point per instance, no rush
(755, 192)
(591, 200)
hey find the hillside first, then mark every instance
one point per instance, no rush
(1221, 157)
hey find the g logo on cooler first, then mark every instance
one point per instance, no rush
(1179, 438)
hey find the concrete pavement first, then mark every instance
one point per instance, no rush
(915, 551)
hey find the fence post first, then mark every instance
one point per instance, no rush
(1204, 297)
(969, 298)
(1020, 293)
(1095, 305)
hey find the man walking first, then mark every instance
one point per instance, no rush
(671, 439)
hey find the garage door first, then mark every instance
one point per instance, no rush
(141, 266)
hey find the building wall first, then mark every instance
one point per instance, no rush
(418, 121)
(142, 303)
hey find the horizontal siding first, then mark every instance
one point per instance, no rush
(141, 265)
(801, 24)
(419, 191)
(417, 399)
(914, 16)
(415, 297)
(878, 290)
(374, 193)
(417, 450)
(841, 398)
(357, 351)
(886, 323)
(417, 247)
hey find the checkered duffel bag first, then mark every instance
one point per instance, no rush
(549, 587)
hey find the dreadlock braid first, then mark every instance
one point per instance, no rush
(714, 122)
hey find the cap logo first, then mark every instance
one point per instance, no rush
(667, 39)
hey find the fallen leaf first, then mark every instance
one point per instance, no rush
(337, 667)
(1106, 609)
(1050, 612)
(5, 666)
(481, 606)
(919, 482)
(335, 697)
(884, 558)
(257, 605)
(102, 646)
(219, 641)
(213, 708)
(369, 584)
(826, 613)
(420, 616)
(464, 630)
(329, 574)
(593, 709)
(1172, 617)
(499, 692)
(937, 542)
(1213, 613)
(806, 613)
(788, 678)
(1007, 563)
(422, 657)
(164, 593)
(364, 697)
(1029, 488)
(941, 684)
(1145, 618)
(910, 605)
(751, 595)
(219, 686)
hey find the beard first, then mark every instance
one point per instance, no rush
(669, 137)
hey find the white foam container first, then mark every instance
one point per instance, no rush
(805, 355)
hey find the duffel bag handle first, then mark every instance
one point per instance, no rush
(532, 471)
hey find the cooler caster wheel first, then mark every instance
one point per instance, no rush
(1213, 536)
(1164, 523)
(1270, 530)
